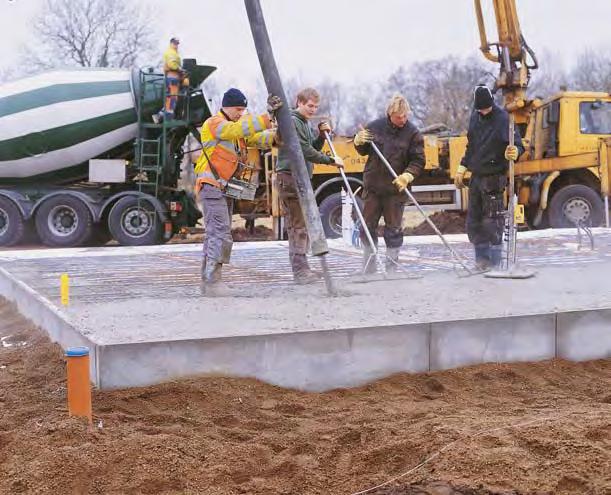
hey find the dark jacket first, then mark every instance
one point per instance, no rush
(311, 147)
(402, 147)
(488, 136)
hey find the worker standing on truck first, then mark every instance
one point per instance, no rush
(486, 158)
(225, 137)
(308, 101)
(173, 79)
(403, 146)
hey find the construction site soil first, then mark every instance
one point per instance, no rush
(448, 222)
(541, 428)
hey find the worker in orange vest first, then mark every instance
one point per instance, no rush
(225, 137)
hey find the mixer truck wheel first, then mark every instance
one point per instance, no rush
(63, 220)
(133, 221)
(12, 226)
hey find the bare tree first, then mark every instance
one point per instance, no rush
(592, 72)
(440, 91)
(212, 92)
(549, 78)
(91, 33)
(332, 103)
(361, 105)
(7, 74)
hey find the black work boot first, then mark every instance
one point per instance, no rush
(302, 275)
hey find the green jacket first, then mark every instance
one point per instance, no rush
(311, 147)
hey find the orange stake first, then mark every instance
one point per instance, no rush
(78, 384)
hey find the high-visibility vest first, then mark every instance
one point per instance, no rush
(225, 142)
(171, 60)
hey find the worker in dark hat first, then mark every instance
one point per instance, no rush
(486, 157)
(225, 138)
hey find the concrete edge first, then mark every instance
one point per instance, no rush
(323, 354)
(316, 361)
(48, 317)
(325, 359)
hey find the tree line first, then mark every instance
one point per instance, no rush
(114, 33)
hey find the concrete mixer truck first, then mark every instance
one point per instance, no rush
(81, 160)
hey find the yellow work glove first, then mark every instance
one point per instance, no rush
(339, 163)
(511, 153)
(458, 178)
(362, 137)
(403, 180)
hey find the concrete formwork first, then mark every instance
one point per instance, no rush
(151, 324)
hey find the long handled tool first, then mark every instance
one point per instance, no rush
(290, 139)
(457, 257)
(511, 269)
(372, 244)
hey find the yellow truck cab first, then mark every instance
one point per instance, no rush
(563, 177)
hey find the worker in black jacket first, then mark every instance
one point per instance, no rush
(486, 158)
(402, 145)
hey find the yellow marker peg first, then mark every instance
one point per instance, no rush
(64, 284)
(519, 214)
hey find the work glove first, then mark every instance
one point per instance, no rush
(362, 137)
(339, 163)
(511, 153)
(323, 127)
(403, 180)
(460, 175)
(274, 103)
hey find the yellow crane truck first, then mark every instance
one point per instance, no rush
(562, 179)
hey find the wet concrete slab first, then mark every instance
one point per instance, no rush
(142, 312)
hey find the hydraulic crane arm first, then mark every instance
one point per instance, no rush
(508, 28)
(511, 53)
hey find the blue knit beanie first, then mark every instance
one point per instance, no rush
(234, 98)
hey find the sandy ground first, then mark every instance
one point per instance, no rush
(541, 428)
(255, 309)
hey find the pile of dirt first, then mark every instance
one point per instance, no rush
(239, 234)
(491, 429)
(259, 233)
(448, 222)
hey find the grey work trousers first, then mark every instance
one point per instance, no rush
(217, 221)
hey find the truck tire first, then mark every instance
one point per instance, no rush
(12, 225)
(331, 214)
(63, 221)
(134, 221)
(576, 203)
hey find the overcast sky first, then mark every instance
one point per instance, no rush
(344, 40)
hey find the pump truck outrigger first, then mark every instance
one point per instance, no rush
(82, 162)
